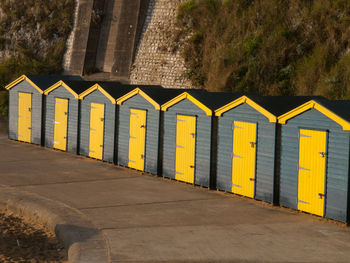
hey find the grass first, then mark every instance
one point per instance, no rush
(41, 28)
(274, 47)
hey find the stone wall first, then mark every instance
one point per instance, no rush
(155, 60)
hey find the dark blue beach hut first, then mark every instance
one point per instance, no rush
(98, 120)
(314, 169)
(62, 113)
(139, 126)
(247, 145)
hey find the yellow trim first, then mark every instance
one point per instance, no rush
(245, 99)
(96, 87)
(314, 105)
(135, 92)
(58, 84)
(21, 78)
(183, 96)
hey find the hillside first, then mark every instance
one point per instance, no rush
(33, 36)
(275, 47)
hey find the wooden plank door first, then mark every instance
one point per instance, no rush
(24, 116)
(243, 158)
(312, 169)
(185, 148)
(61, 124)
(137, 139)
(97, 113)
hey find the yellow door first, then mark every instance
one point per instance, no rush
(61, 118)
(137, 139)
(97, 113)
(243, 158)
(312, 167)
(185, 148)
(24, 116)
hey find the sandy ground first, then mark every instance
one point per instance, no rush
(22, 240)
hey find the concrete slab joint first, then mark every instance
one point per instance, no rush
(84, 242)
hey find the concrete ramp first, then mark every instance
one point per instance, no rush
(106, 44)
(108, 35)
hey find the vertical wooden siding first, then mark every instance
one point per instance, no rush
(337, 165)
(152, 132)
(265, 155)
(73, 109)
(37, 113)
(203, 141)
(109, 125)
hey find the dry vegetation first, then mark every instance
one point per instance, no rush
(275, 47)
(33, 35)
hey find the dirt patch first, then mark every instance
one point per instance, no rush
(23, 240)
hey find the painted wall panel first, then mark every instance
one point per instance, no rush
(109, 128)
(203, 141)
(337, 162)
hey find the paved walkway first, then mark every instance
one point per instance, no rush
(149, 219)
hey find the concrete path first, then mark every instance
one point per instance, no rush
(149, 219)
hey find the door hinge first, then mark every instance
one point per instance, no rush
(320, 195)
(323, 154)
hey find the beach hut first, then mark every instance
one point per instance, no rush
(314, 169)
(247, 145)
(26, 106)
(139, 127)
(62, 113)
(98, 119)
(188, 135)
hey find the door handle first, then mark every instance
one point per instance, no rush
(101, 145)
(65, 113)
(322, 154)
(102, 119)
(142, 156)
(191, 166)
(193, 135)
(252, 144)
(252, 179)
(142, 126)
(30, 109)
